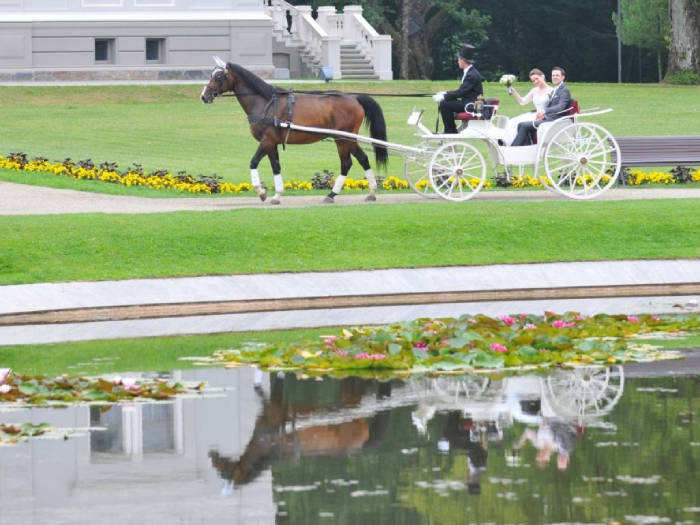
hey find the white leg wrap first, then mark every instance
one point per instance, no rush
(279, 183)
(371, 179)
(339, 183)
(254, 178)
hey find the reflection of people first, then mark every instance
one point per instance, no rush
(538, 95)
(551, 436)
(462, 433)
(452, 102)
(559, 102)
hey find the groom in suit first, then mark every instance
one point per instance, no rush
(559, 103)
(452, 102)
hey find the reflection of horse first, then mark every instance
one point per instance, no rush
(268, 107)
(273, 441)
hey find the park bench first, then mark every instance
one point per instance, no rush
(660, 150)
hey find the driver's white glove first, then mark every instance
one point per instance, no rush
(439, 96)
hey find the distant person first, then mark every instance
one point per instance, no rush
(452, 102)
(559, 102)
(539, 96)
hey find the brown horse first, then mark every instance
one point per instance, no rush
(268, 108)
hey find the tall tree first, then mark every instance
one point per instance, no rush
(684, 50)
(645, 24)
(428, 33)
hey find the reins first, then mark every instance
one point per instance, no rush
(332, 93)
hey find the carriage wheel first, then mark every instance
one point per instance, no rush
(585, 391)
(457, 171)
(582, 160)
(415, 170)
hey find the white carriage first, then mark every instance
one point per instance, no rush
(577, 159)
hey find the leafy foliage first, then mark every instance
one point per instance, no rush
(13, 433)
(468, 343)
(39, 390)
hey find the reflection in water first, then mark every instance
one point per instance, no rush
(588, 445)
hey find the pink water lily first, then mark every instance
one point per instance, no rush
(4, 389)
(560, 323)
(4, 372)
(530, 326)
(129, 383)
(496, 347)
(507, 320)
(633, 318)
(373, 357)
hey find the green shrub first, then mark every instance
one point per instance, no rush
(685, 78)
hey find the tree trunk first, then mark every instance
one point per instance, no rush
(684, 51)
(405, 20)
(658, 65)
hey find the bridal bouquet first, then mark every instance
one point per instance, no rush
(507, 80)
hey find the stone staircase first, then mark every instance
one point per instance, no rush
(354, 64)
(309, 60)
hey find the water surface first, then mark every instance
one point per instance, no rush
(584, 446)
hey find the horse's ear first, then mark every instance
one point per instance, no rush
(219, 62)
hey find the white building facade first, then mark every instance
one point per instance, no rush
(45, 40)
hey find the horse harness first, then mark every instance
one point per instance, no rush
(273, 120)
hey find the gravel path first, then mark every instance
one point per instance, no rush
(23, 199)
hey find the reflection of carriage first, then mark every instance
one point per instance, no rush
(579, 396)
(579, 159)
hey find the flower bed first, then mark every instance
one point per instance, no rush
(471, 343)
(201, 184)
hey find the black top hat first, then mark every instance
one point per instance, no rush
(467, 52)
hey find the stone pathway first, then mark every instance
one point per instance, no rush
(23, 199)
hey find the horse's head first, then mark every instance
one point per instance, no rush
(221, 80)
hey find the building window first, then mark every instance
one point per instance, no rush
(104, 50)
(154, 50)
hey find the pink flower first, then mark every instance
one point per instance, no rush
(633, 319)
(580, 317)
(129, 383)
(341, 352)
(117, 380)
(373, 357)
(655, 318)
(507, 320)
(421, 345)
(559, 323)
(530, 326)
(498, 348)
(330, 339)
(4, 372)
(4, 389)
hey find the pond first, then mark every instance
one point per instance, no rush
(589, 445)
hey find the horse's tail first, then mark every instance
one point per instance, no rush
(374, 118)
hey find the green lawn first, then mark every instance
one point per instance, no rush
(99, 246)
(168, 127)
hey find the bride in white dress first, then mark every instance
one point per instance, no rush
(538, 95)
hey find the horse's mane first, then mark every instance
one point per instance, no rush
(256, 83)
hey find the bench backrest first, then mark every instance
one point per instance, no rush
(659, 150)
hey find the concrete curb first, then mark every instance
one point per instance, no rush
(51, 312)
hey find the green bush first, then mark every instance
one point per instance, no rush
(685, 78)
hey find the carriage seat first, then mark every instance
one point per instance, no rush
(490, 103)
(573, 110)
